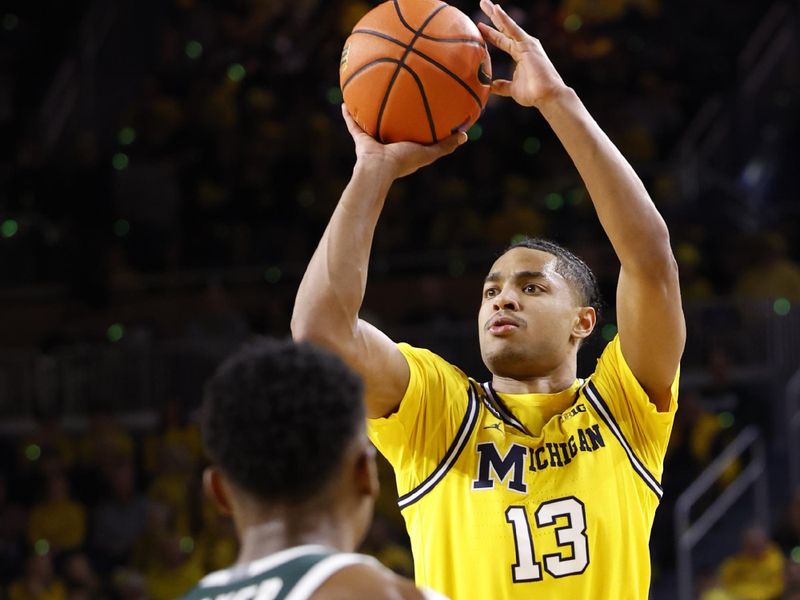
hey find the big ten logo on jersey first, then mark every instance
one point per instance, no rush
(510, 467)
(577, 409)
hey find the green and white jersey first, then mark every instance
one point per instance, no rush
(292, 574)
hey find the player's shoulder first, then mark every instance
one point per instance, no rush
(612, 365)
(423, 359)
(368, 579)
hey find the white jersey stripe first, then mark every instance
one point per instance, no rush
(637, 464)
(319, 573)
(256, 567)
(468, 424)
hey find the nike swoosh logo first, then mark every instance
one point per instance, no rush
(493, 426)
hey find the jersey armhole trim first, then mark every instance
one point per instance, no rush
(456, 447)
(602, 409)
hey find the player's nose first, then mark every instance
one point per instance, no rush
(506, 300)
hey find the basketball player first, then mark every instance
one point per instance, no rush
(535, 484)
(284, 426)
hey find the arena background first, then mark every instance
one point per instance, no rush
(166, 169)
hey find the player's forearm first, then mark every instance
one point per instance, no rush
(332, 290)
(630, 219)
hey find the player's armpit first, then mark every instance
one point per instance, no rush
(366, 581)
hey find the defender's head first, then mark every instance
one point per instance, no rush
(284, 426)
(539, 303)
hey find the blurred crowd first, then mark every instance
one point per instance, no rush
(232, 151)
(107, 513)
(765, 567)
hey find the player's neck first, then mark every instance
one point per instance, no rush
(552, 382)
(280, 532)
(536, 385)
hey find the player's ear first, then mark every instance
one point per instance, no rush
(585, 321)
(366, 471)
(216, 490)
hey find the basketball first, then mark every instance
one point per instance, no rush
(415, 70)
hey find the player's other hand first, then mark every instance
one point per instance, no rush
(400, 158)
(535, 78)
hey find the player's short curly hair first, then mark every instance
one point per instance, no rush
(570, 267)
(277, 417)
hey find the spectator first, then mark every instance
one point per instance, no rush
(709, 587)
(773, 275)
(59, 520)
(38, 582)
(756, 571)
(172, 486)
(128, 584)
(80, 577)
(118, 519)
(159, 523)
(176, 569)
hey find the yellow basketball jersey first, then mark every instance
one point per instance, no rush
(527, 496)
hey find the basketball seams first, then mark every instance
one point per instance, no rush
(424, 56)
(470, 41)
(366, 66)
(425, 103)
(402, 18)
(416, 32)
(433, 38)
(408, 50)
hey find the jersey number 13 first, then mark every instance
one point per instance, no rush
(570, 536)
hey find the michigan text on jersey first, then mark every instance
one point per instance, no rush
(492, 466)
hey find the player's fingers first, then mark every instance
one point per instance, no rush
(495, 38)
(502, 21)
(352, 126)
(501, 87)
(447, 145)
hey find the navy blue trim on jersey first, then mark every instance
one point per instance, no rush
(500, 410)
(596, 400)
(459, 442)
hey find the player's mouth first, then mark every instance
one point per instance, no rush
(503, 325)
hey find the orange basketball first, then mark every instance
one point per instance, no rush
(415, 70)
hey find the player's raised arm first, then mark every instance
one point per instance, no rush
(330, 294)
(649, 313)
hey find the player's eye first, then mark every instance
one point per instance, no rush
(490, 292)
(531, 288)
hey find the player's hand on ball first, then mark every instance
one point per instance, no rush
(400, 158)
(535, 78)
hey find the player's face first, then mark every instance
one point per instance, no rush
(528, 315)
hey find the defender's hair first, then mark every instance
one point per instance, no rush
(277, 417)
